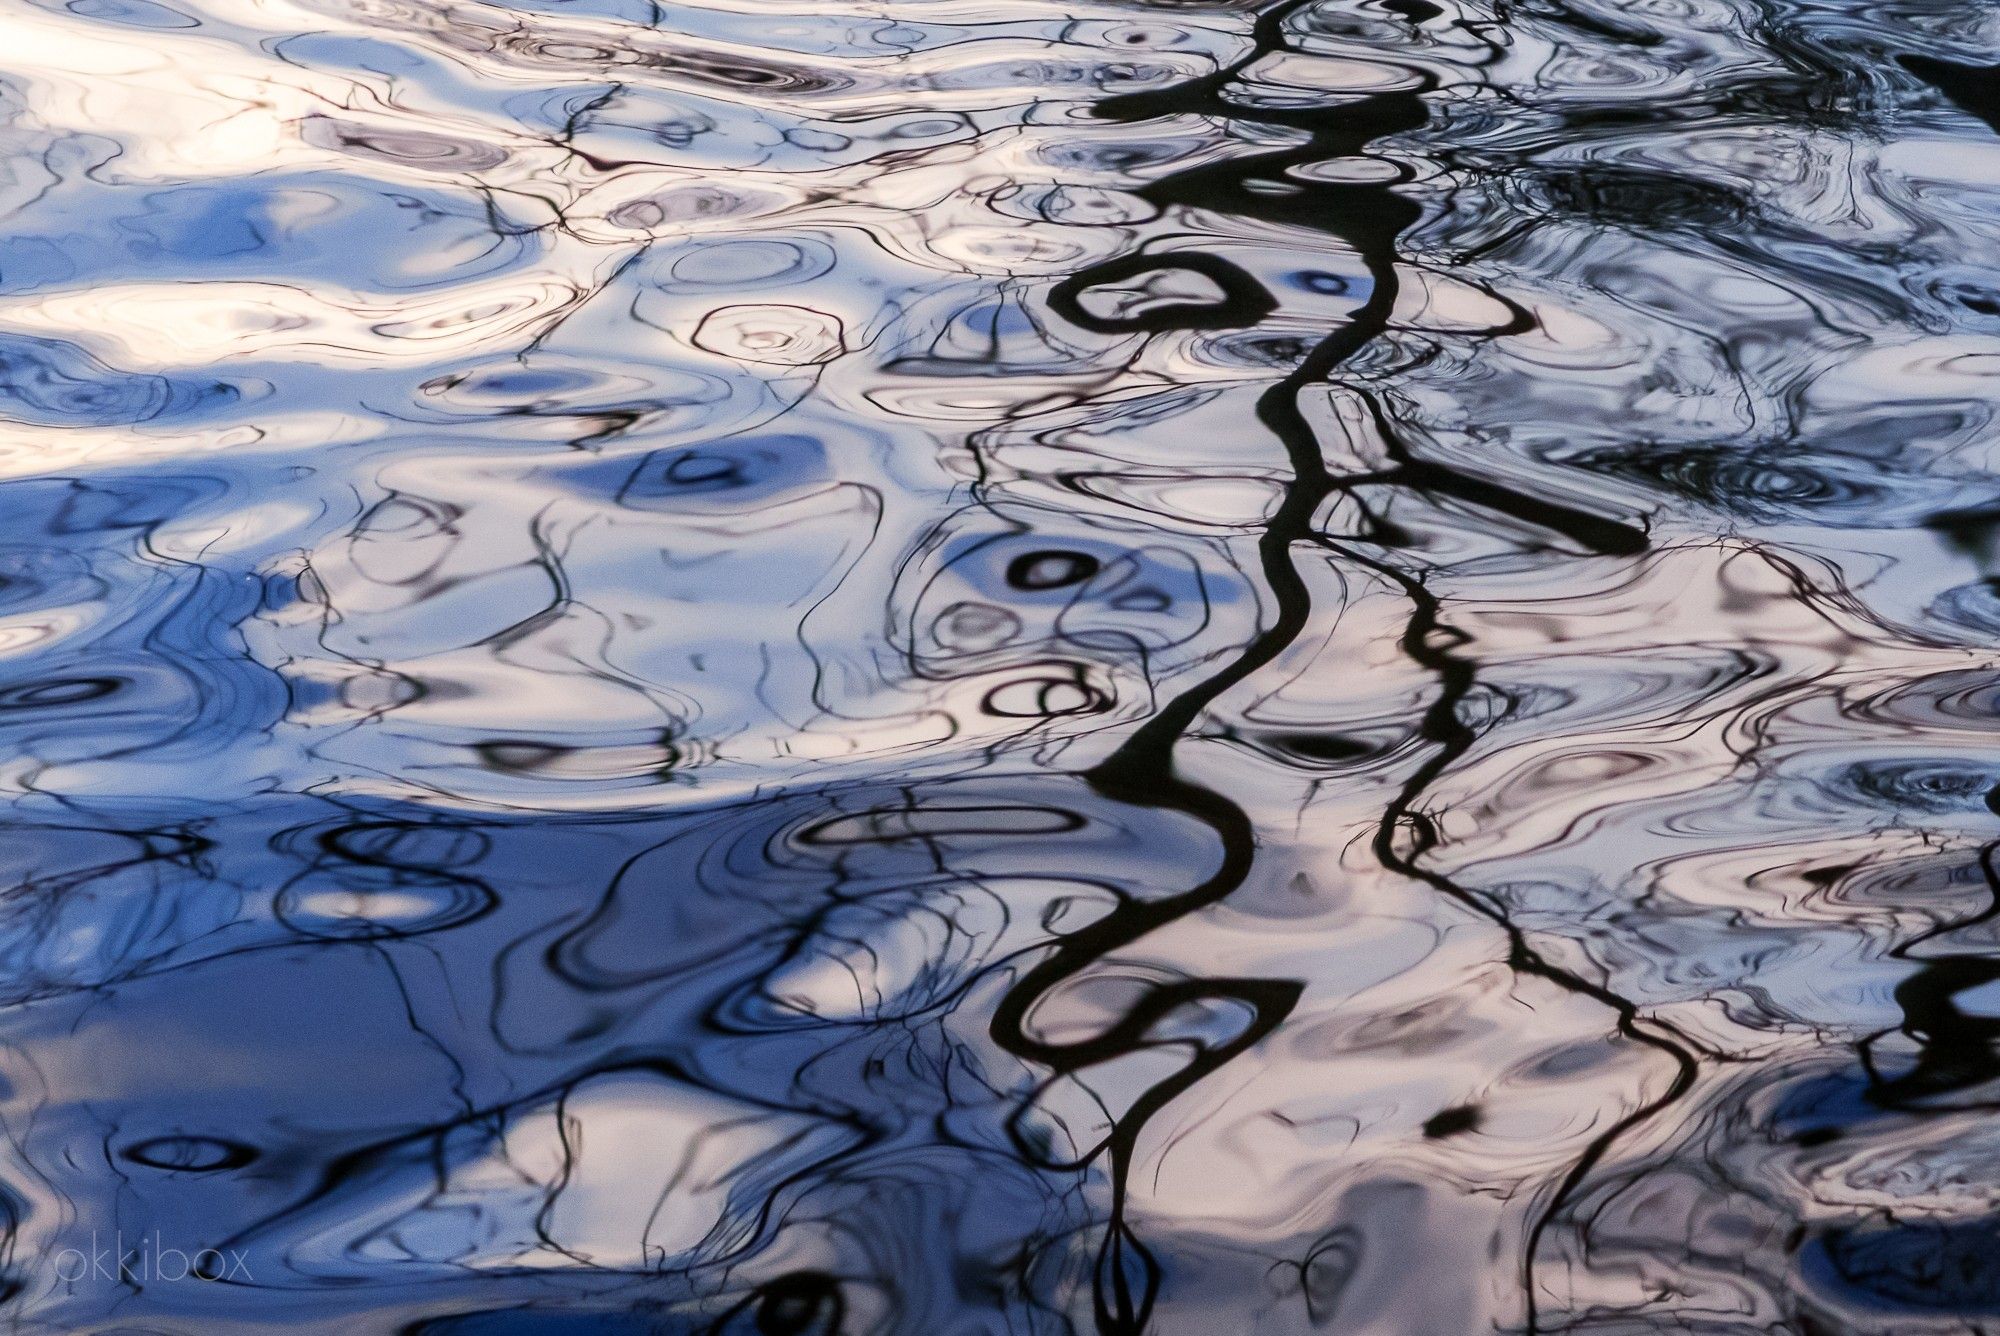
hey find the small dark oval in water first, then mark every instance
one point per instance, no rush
(1241, 299)
(941, 821)
(805, 1303)
(1452, 1122)
(58, 691)
(1050, 569)
(190, 1154)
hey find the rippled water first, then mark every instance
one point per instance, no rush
(994, 666)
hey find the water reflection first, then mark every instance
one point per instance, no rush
(1010, 668)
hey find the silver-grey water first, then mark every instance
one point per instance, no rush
(986, 666)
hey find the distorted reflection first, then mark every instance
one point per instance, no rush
(999, 666)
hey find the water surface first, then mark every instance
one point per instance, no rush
(998, 666)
